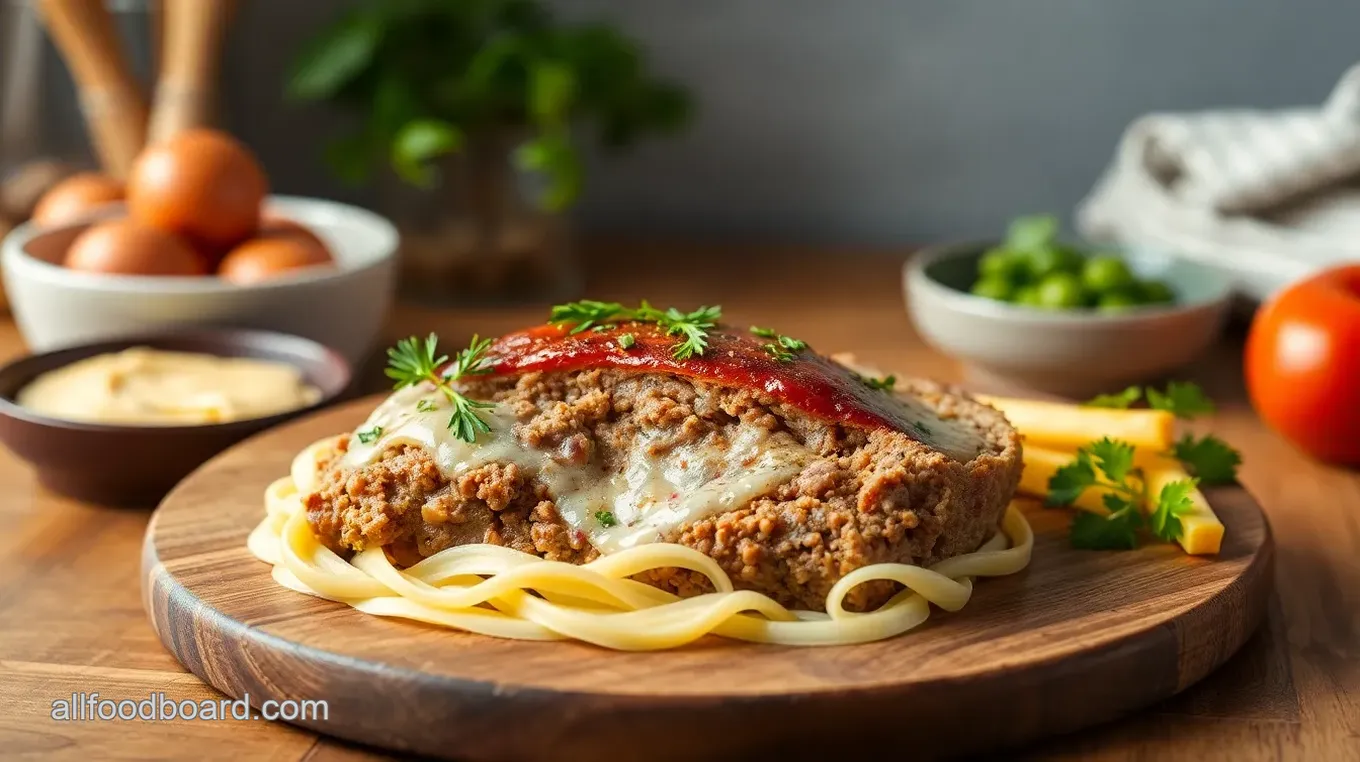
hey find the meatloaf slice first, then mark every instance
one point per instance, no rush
(854, 494)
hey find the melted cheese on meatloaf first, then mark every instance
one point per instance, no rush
(641, 501)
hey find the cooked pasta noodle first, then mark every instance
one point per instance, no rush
(498, 591)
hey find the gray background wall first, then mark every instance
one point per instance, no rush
(872, 121)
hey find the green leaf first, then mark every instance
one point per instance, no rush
(1115, 503)
(418, 143)
(1209, 458)
(552, 90)
(553, 156)
(1183, 399)
(494, 62)
(1069, 481)
(1119, 531)
(1032, 233)
(336, 57)
(1120, 401)
(1173, 501)
(1113, 457)
(349, 158)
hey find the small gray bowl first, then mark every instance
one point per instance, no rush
(1071, 352)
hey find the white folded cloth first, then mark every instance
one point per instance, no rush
(1266, 195)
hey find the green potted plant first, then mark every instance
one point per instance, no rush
(478, 107)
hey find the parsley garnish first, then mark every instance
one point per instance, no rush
(426, 406)
(885, 384)
(1108, 464)
(626, 341)
(369, 436)
(783, 348)
(1209, 458)
(1173, 501)
(691, 327)
(1182, 399)
(606, 519)
(1120, 401)
(413, 361)
(1118, 531)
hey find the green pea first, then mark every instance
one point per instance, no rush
(1061, 291)
(1004, 264)
(1106, 273)
(1027, 296)
(1053, 259)
(994, 287)
(1156, 292)
(1116, 301)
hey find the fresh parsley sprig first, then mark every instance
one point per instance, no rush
(1183, 399)
(691, 327)
(1108, 464)
(885, 384)
(1208, 458)
(783, 348)
(413, 361)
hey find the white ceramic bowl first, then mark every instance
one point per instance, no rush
(342, 307)
(1072, 352)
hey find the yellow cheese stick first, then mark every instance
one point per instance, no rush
(1059, 425)
(1041, 463)
(1201, 531)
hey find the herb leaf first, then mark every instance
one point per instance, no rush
(626, 341)
(413, 361)
(426, 406)
(1113, 457)
(783, 348)
(883, 384)
(1069, 481)
(369, 436)
(1209, 458)
(1183, 399)
(691, 327)
(1120, 401)
(1173, 501)
(1118, 531)
(606, 519)
(586, 313)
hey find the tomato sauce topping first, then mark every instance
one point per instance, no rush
(808, 381)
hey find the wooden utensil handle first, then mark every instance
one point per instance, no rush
(193, 33)
(113, 102)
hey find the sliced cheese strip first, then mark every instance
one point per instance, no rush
(1201, 531)
(1056, 424)
(1040, 465)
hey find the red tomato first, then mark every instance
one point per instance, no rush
(1303, 364)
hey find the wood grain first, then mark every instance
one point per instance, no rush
(1075, 639)
(69, 573)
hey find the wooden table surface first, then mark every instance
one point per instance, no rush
(71, 618)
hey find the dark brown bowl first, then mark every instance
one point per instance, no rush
(136, 465)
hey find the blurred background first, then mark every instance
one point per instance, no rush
(863, 122)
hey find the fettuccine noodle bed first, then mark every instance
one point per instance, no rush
(501, 592)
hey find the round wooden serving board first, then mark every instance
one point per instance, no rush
(1076, 639)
